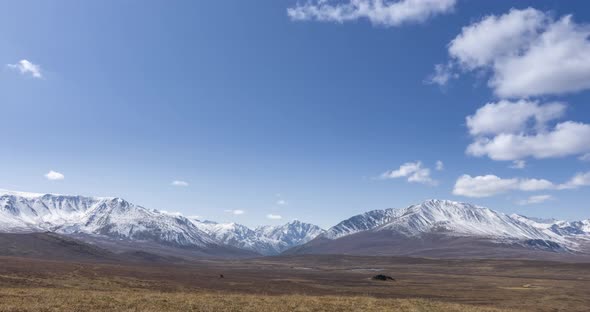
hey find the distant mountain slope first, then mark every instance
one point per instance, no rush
(437, 228)
(112, 217)
(432, 228)
(100, 216)
(115, 218)
(266, 240)
(559, 227)
(289, 235)
(452, 218)
(363, 222)
(50, 246)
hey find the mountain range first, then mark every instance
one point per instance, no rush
(114, 218)
(434, 228)
(443, 228)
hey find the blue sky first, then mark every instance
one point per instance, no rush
(303, 115)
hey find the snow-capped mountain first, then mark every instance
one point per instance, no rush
(363, 222)
(266, 240)
(579, 229)
(236, 235)
(119, 219)
(289, 235)
(110, 217)
(454, 219)
(30, 211)
(431, 225)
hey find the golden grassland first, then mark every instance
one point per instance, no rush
(325, 283)
(51, 299)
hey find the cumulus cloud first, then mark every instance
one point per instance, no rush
(515, 130)
(513, 117)
(580, 179)
(413, 171)
(489, 185)
(27, 68)
(282, 202)
(535, 199)
(567, 138)
(273, 216)
(54, 176)
(235, 212)
(179, 183)
(483, 42)
(378, 12)
(527, 52)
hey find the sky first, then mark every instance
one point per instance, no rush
(269, 111)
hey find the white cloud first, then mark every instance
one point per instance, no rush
(26, 67)
(179, 183)
(585, 157)
(440, 165)
(443, 73)
(580, 179)
(508, 130)
(236, 212)
(282, 202)
(378, 12)
(54, 175)
(413, 171)
(557, 62)
(273, 216)
(518, 164)
(513, 117)
(536, 199)
(482, 43)
(530, 185)
(567, 138)
(527, 52)
(489, 185)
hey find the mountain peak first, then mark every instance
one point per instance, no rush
(444, 217)
(267, 240)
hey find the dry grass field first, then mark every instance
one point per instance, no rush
(302, 283)
(47, 299)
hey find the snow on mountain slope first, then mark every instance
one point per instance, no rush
(289, 235)
(462, 219)
(449, 218)
(236, 235)
(112, 217)
(578, 229)
(117, 218)
(121, 219)
(30, 211)
(266, 240)
(363, 222)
